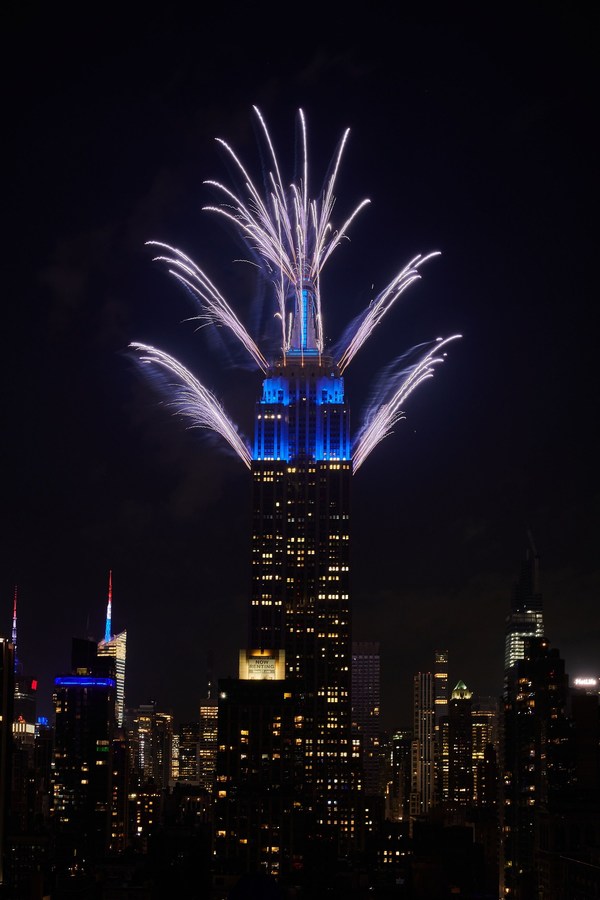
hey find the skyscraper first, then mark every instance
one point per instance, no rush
(484, 726)
(300, 598)
(535, 759)
(207, 742)
(366, 673)
(526, 614)
(440, 672)
(84, 704)
(422, 794)
(460, 743)
(115, 647)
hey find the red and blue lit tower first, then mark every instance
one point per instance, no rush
(114, 646)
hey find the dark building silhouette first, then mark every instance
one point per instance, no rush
(366, 706)
(397, 794)
(84, 708)
(536, 764)
(189, 737)
(526, 618)
(258, 818)
(459, 724)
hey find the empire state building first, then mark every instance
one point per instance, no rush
(300, 601)
(287, 766)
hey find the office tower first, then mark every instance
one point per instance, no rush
(207, 743)
(526, 614)
(365, 696)
(115, 647)
(535, 759)
(189, 736)
(440, 671)
(422, 794)
(150, 733)
(119, 818)
(258, 814)
(460, 746)
(397, 806)
(484, 730)
(150, 743)
(84, 709)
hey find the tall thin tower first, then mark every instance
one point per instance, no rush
(423, 745)
(115, 647)
(300, 598)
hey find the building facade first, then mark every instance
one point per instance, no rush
(526, 617)
(366, 701)
(423, 747)
(300, 596)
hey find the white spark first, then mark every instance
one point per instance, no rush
(193, 401)
(215, 308)
(381, 419)
(293, 236)
(376, 310)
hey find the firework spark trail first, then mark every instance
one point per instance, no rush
(215, 308)
(195, 402)
(380, 422)
(375, 312)
(295, 236)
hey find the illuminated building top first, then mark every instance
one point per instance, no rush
(301, 414)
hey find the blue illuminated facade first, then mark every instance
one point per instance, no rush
(301, 413)
(83, 681)
(300, 599)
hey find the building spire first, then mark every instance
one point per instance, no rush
(108, 629)
(14, 630)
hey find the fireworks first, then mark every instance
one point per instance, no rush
(382, 416)
(291, 236)
(193, 401)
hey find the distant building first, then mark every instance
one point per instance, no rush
(526, 618)
(258, 799)
(460, 744)
(84, 710)
(423, 751)
(150, 734)
(115, 647)
(207, 743)
(536, 750)
(398, 788)
(189, 736)
(440, 672)
(484, 729)
(366, 700)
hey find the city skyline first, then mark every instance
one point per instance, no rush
(501, 442)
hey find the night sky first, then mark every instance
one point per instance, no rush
(470, 136)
